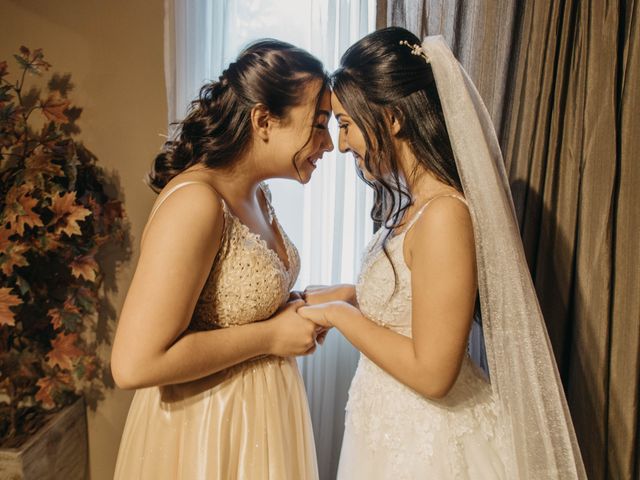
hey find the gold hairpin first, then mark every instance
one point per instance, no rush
(415, 49)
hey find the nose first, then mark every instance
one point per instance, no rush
(343, 147)
(328, 143)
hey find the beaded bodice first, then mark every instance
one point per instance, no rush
(248, 280)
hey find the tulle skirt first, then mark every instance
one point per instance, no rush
(391, 432)
(248, 422)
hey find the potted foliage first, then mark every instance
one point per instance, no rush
(57, 220)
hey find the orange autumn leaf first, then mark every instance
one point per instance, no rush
(19, 210)
(56, 317)
(44, 394)
(56, 314)
(48, 387)
(63, 351)
(12, 257)
(4, 239)
(68, 213)
(8, 300)
(85, 267)
(71, 307)
(11, 253)
(54, 107)
(40, 163)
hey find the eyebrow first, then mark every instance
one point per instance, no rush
(324, 112)
(340, 115)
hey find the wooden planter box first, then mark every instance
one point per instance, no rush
(59, 450)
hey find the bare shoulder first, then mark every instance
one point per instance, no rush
(445, 211)
(186, 209)
(444, 228)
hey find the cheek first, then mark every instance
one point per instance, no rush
(291, 141)
(358, 143)
(314, 144)
(342, 139)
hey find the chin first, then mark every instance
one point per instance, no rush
(303, 175)
(304, 179)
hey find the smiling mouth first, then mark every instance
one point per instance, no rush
(313, 161)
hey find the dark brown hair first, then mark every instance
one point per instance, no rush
(378, 74)
(217, 128)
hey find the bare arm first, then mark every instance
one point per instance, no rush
(443, 284)
(151, 346)
(316, 294)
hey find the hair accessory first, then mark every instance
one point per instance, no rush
(415, 49)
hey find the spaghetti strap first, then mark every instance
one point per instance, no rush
(166, 195)
(173, 189)
(415, 218)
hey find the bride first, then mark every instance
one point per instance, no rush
(449, 248)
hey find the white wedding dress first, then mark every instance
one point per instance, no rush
(519, 425)
(392, 432)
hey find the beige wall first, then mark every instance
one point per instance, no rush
(114, 51)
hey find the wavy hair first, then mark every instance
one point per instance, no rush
(379, 75)
(217, 128)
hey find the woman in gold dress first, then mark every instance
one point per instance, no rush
(209, 332)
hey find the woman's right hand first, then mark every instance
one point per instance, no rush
(290, 334)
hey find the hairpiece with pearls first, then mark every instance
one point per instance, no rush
(415, 49)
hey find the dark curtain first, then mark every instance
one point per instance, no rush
(562, 82)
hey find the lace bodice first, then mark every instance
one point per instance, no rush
(375, 287)
(248, 281)
(390, 415)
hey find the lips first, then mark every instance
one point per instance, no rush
(313, 161)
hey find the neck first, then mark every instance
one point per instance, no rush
(237, 183)
(421, 183)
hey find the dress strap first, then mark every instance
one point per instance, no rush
(415, 218)
(267, 195)
(172, 190)
(169, 192)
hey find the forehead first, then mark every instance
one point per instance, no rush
(310, 102)
(337, 107)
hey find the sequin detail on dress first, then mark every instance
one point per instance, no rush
(248, 281)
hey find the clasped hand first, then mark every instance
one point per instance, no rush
(304, 321)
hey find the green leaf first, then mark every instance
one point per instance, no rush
(86, 303)
(71, 321)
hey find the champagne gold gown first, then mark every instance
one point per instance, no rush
(250, 421)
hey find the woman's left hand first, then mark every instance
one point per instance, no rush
(326, 314)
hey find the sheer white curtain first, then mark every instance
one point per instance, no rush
(328, 219)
